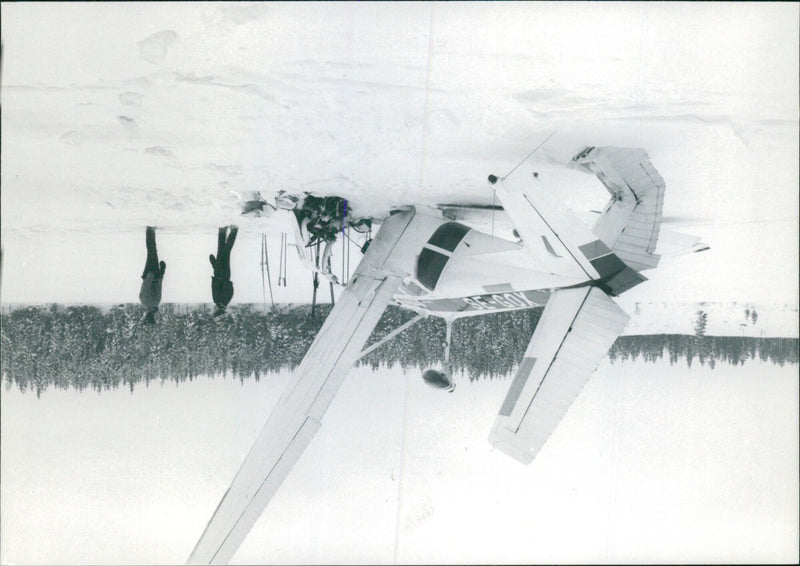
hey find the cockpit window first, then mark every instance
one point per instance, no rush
(413, 289)
(429, 267)
(447, 236)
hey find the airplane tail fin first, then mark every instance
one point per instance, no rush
(631, 221)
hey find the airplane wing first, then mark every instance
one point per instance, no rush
(297, 415)
(575, 332)
(545, 224)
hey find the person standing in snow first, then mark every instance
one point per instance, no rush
(221, 285)
(153, 275)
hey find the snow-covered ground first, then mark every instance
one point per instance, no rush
(653, 463)
(728, 319)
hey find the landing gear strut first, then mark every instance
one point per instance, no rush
(442, 379)
(438, 379)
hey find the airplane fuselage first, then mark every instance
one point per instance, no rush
(460, 271)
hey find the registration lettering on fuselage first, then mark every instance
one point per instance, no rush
(499, 301)
(489, 302)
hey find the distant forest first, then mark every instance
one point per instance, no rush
(84, 347)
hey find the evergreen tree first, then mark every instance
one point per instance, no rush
(81, 347)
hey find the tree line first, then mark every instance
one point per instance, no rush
(83, 347)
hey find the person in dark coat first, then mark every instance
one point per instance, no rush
(152, 276)
(221, 285)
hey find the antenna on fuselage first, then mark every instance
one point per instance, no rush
(493, 178)
(534, 150)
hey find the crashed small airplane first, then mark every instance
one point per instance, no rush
(425, 262)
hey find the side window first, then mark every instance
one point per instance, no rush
(429, 267)
(448, 236)
(431, 262)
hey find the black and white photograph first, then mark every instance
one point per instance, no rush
(399, 283)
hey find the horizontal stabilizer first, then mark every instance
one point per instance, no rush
(576, 330)
(672, 244)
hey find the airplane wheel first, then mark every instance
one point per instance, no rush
(438, 379)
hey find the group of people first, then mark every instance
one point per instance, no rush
(320, 219)
(221, 284)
